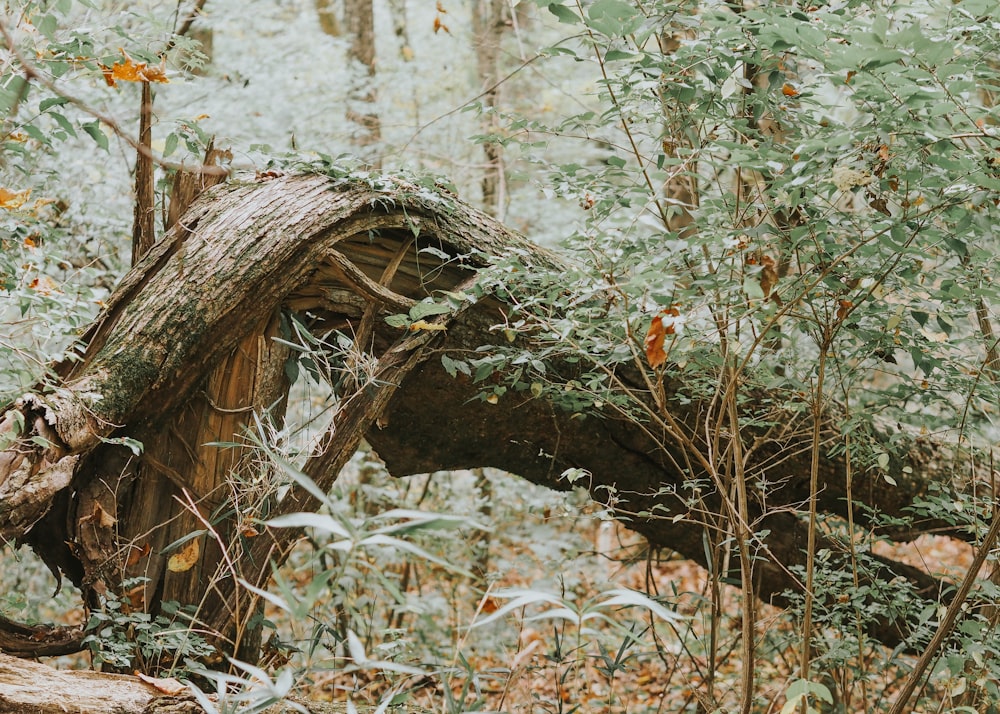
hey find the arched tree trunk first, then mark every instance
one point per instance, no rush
(205, 299)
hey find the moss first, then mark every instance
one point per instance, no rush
(130, 371)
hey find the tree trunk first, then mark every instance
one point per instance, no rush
(34, 688)
(359, 17)
(489, 20)
(206, 298)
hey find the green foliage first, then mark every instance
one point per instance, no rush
(808, 191)
(126, 640)
(803, 184)
(861, 151)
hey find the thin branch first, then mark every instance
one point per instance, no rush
(33, 73)
(367, 287)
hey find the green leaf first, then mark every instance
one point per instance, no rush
(614, 55)
(63, 122)
(46, 104)
(751, 286)
(423, 309)
(93, 128)
(454, 366)
(170, 145)
(47, 26)
(564, 13)
(881, 58)
(397, 320)
(319, 521)
(614, 17)
(800, 690)
(12, 91)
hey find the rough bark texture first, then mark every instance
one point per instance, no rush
(489, 21)
(344, 254)
(33, 688)
(359, 17)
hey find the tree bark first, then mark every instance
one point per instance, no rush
(323, 248)
(33, 688)
(489, 20)
(359, 17)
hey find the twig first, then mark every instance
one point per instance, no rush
(33, 73)
(950, 616)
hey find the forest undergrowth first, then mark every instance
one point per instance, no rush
(432, 634)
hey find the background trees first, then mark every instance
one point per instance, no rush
(780, 215)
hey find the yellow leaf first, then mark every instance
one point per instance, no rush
(103, 518)
(168, 685)
(184, 560)
(424, 325)
(128, 70)
(13, 199)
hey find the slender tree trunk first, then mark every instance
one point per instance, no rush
(489, 22)
(144, 220)
(359, 18)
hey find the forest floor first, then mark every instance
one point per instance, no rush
(561, 550)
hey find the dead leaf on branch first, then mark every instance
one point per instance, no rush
(100, 517)
(128, 70)
(665, 323)
(424, 325)
(185, 559)
(136, 554)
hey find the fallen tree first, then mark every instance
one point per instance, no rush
(34, 688)
(183, 357)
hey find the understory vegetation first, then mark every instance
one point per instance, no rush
(778, 224)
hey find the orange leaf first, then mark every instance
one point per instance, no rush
(843, 309)
(247, 530)
(13, 199)
(768, 274)
(137, 598)
(788, 90)
(440, 7)
(137, 554)
(184, 560)
(168, 685)
(128, 70)
(438, 25)
(657, 333)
